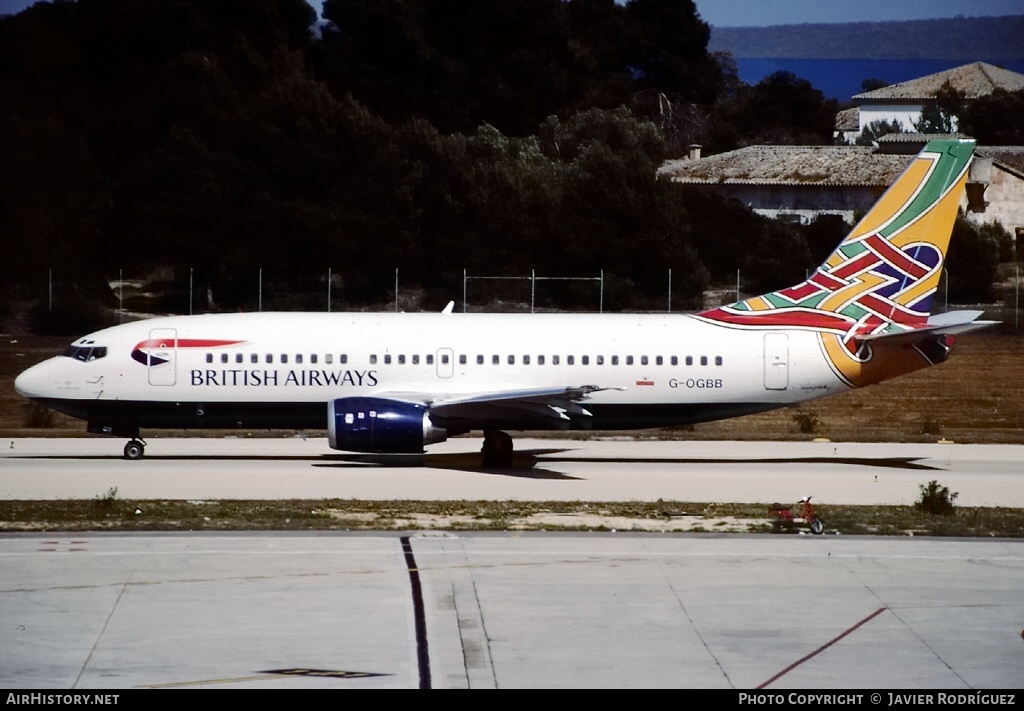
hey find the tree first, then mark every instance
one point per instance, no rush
(996, 119)
(972, 261)
(943, 115)
(875, 130)
(783, 108)
(872, 84)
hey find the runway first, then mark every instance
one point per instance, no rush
(547, 470)
(445, 610)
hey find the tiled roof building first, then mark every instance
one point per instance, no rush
(972, 80)
(799, 183)
(904, 102)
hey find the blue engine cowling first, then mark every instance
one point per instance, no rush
(373, 424)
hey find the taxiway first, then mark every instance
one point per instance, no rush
(546, 470)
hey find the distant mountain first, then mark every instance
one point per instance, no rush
(962, 38)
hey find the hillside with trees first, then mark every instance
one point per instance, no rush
(961, 38)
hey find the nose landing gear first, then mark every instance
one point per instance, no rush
(134, 449)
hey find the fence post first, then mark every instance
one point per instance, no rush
(533, 288)
(670, 289)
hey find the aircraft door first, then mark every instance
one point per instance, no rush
(445, 362)
(776, 361)
(161, 356)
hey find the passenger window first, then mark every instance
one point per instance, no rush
(540, 360)
(629, 360)
(526, 360)
(462, 359)
(689, 360)
(238, 357)
(223, 357)
(328, 358)
(479, 360)
(254, 358)
(416, 359)
(585, 360)
(373, 359)
(643, 360)
(511, 360)
(387, 359)
(209, 357)
(554, 360)
(312, 357)
(284, 357)
(570, 360)
(495, 360)
(615, 360)
(270, 358)
(718, 360)
(430, 359)
(600, 360)
(343, 358)
(401, 360)
(675, 360)
(703, 360)
(659, 361)
(298, 358)
(445, 359)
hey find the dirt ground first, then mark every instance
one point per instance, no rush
(976, 397)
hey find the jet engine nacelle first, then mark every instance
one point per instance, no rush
(373, 424)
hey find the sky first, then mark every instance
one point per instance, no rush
(751, 13)
(745, 13)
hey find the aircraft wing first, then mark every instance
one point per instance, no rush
(951, 323)
(554, 403)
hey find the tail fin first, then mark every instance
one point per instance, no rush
(881, 279)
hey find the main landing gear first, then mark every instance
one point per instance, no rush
(497, 450)
(134, 449)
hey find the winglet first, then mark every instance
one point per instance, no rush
(448, 309)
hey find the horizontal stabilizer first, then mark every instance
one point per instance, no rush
(950, 323)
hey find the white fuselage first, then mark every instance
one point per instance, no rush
(216, 370)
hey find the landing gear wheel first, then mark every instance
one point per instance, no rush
(497, 450)
(134, 450)
(817, 527)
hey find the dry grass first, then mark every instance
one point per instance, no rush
(110, 513)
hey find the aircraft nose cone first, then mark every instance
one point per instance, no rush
(32, 382)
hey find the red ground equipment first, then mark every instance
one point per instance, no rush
(785, 521)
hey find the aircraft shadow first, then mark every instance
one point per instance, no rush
(524, 463)
(884, 462)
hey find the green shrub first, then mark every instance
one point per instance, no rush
(936, 499)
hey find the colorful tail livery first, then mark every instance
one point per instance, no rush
(870, 302)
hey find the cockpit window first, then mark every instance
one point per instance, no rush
(85, 353)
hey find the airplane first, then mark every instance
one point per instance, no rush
(394, 382)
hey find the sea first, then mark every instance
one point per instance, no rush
(840, 79)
